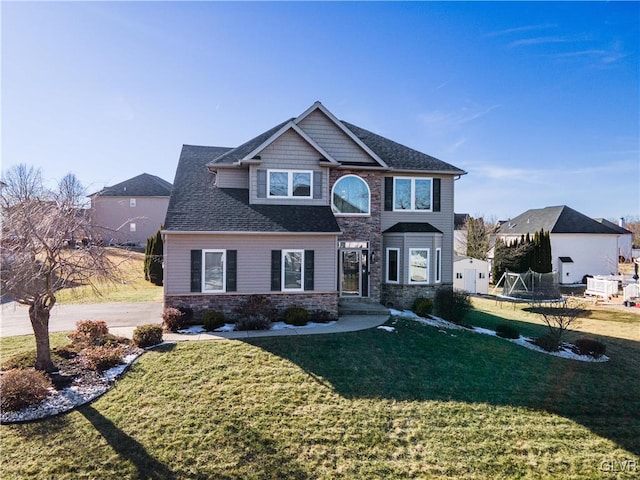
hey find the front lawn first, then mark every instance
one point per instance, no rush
(413, 403)
(132, 287)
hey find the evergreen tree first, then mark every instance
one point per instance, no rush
(477, 238)
(155, 268)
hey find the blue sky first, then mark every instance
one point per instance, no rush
(539, 102)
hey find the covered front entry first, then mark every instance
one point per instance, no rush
(353, 269)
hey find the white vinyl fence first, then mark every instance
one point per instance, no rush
(631, 291)
(599, 287)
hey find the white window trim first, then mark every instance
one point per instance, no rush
(290, 184)
(428, 272)
(224, 271)
(283, 271)
(133, 227)
(413, 195)
(132, 202)
(438, 265)
(368, 214)
(397, 250)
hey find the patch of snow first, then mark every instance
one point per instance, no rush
(386, 328)
(228, 327)
(192, 330)
(67, 399)
(565, 351)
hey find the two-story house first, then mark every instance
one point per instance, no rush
(131, 211)
(309, 212)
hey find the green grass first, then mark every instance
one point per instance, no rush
(417, 403)
(132, 287)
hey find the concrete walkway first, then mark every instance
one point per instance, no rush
(123, 318)
(349, 323)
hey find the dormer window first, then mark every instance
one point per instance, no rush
(290, 183)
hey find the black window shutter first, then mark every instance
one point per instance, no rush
(196, 270)
(436, 194)
(309, 270)
(232, 270)
(262, 183)
(388, 194)
(317, 184)
(276, 270)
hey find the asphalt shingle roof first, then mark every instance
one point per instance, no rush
(412, 227)
(238, 153)
(143, 185)
(398, 156)
(559, 219)
(197, 205)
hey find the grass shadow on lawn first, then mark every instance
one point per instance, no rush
(423, 363)
(127, 447)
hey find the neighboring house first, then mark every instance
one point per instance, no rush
(312, 210)
(625, 239)
(131, 211)
(460, 233)
(579, 245)
(470, 275)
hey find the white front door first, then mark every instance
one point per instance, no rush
(470, 280)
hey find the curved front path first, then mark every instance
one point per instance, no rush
(349, 323)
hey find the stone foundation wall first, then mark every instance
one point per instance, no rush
(228, 303)
(402, 296)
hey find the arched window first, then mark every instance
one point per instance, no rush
(350, 196)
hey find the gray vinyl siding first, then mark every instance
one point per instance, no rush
(289, 152)
(253, 259)
(407, 241)
(232, 178)
(326, 134)
(442, 220)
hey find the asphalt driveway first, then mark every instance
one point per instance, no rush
(14, 318)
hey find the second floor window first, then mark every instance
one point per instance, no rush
(350, 196)
(412, 194)
(290, 183)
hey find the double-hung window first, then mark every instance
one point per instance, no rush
(412, 193)
(438, 265)
(290, 183)
(213, 270)
(293, 270)
(418, 265)
(393, 265)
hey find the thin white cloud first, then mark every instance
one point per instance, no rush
(539, 41)
(439, 123)
(523, 28)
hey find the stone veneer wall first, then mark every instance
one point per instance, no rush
(402, 296)
(365, 228)
(228, 303)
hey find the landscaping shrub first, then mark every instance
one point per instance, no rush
(452, 306)
(591, 347)
(66, 351)
(173, 319)
(147, 335)
(19, 360)
(212, 319)
(257, 305)
(20, 388)
(422, 306)
(101, 357)
(253, 322)
(296, 316)
(187, 314)
(320, 316)
(88, 332)
(507, 331)
(548, 342)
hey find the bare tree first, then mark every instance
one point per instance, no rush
(478, 238)
(559, 320)
(39, 255)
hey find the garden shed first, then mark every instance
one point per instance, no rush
(470, 275)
